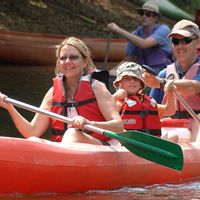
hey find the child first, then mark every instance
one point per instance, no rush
(138, 111)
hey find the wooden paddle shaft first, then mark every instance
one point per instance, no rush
(50, 114)
(107, 50)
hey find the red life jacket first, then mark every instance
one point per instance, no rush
(84, 102)
(192, 100)
(141, 115)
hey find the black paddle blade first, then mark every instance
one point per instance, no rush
(101, 75)
(150, 70)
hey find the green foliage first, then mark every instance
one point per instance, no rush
(187, 5)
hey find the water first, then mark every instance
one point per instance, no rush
(187, 191)
(29, 84)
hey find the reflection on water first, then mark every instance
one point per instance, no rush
(24, 83)
(29, 84)
(187, 191)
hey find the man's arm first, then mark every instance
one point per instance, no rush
(187, 87)
(136, 40)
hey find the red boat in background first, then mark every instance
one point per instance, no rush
(40, 49)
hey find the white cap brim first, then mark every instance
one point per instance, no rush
(181, 32)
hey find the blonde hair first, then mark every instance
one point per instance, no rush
(81, 47)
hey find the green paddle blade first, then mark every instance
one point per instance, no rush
(151, 148)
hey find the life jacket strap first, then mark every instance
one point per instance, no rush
(184, 114)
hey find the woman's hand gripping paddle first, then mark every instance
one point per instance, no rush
(146, 146)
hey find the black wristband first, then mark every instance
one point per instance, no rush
(162, 83)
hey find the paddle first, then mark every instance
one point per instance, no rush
(146, 146)
(185, 104)
(178, 96)
(107, 51)
(102, 74)
(195, 136)
(150, 70)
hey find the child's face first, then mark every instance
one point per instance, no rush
(131, 84)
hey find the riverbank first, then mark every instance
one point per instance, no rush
(83, 18)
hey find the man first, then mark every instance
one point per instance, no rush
(148, 44)
(185, 37)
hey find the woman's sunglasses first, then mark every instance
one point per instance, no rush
(146, 13)
(70, 58)
(186, 40)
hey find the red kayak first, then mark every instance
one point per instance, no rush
(32, 167)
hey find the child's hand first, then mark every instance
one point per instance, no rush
(120, 94)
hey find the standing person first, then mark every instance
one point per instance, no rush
(185, 37)
(148, 44)
(138, 111)
(76, 95)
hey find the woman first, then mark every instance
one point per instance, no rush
(73, 92)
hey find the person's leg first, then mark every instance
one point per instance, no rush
(172, 137)
(195, 136)
(73, 135)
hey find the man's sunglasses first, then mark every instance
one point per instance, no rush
(146, 13)
(186, 40)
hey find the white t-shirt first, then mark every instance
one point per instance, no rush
(72, 112)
